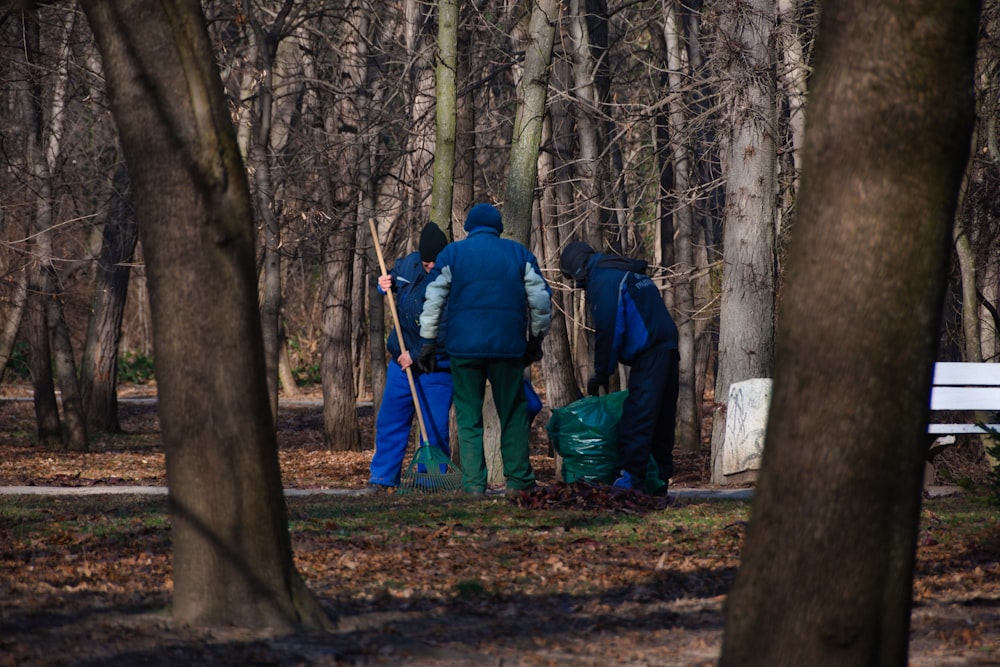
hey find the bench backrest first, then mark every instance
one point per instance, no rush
(966, 386)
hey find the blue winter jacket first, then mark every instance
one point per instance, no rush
(410, 281)
(495, 295)
(627, 311)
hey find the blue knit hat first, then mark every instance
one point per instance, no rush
(483, 215)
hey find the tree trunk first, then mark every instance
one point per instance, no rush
(826, 574)
(586, 109)
(561, 387)
(688, 414)
(99, 369)
(48, 425)
(69, 384)
(560, 222)
(522, 171)
(267, 40)
(229, 523)
(446, 113)
(286, 376)
(971, 340)
(746, 329)
(340, 418)
(12, 318)
(465, 127)
(344, 120)
(42, 149)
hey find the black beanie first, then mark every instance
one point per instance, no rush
(432, 241)
(573, 262)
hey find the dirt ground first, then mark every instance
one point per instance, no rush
(676, 620)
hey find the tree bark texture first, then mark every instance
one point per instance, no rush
(47, 422)
(267, 39)
(74, 423)
(445, 109)
(532, 88)
(746, 328)
(688, 402)
(590, 172)
(43, 142)
(12, 316)
(232, 553)
(99, 368)
(340, 417)
(826, 574)
(561, 386)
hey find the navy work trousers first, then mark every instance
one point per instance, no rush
(649, 414)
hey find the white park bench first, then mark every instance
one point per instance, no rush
(968, 388)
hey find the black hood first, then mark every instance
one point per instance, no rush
(573, 261)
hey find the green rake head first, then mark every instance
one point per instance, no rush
(430, 471)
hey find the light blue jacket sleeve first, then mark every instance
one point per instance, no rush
(435, 299)
(539, 300)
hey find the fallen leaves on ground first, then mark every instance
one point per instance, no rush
(567, 574)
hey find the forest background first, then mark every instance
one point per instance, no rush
(876, 212)
(671, 131)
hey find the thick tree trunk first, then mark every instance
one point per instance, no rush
(344, 120)
(826, 574)
(99, 369)
(746, 329)
(229, 524)
(341, 431)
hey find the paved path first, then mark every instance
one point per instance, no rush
(696, 494)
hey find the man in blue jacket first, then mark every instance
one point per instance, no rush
(498, 310)
(409, 278)
(633, 327)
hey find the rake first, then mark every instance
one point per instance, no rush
(431, 469)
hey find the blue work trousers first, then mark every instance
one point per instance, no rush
(395, 419)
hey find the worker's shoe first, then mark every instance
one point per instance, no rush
(514, 493)
(624, 481)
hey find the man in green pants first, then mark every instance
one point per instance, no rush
(498, 310)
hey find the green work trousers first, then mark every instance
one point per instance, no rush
(469, 378)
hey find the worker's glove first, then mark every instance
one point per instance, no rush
(595, 383)
(427, 361)
(533, 351)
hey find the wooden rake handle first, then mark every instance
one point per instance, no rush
(399, 334)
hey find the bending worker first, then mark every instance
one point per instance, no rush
(634, 327)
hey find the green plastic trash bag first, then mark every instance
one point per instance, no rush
(584, 434)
